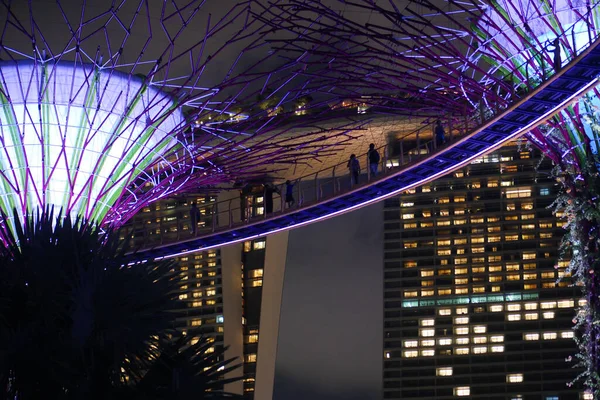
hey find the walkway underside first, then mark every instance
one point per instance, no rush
(536, 107)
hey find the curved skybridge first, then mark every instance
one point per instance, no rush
(330, 192)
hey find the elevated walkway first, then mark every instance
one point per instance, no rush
(330, 192)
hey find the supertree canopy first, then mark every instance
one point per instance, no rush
(107, 106)
(473, 58)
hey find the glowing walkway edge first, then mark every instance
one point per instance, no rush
(541, 119)
(366, 203)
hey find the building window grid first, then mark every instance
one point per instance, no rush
(529, 266)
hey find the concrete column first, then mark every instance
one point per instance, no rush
(274, 270)
(233, 334)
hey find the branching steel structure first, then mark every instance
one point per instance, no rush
(463, 58)
(108, 106)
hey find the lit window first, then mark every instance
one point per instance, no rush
(427, 293)
(566, 303)
(479, 329)
(461, 271)
(461, 331)
(492, 239)
(410, 264)
(492, 183)
(510, 238)
(443, 242)
(410, 226)
(567, 335)
(514, 378)
(444, 200)
(480, 339)
(254, 339)
(428, 343)
(462, 390)
(427, 332)
(460, 221)
(587, 396)
(408, 216)
(444, 371)
(411, 293)
(407, 204)
(462, 310)
(411, 343)
(444, 342)
(513, 317)
(496, 308)
(549, 335)
(462, 340)
(530, 276)
(548, 275)
(444, 292)
(410, 245)
(461, 351)
(531, 316)
(513, 307)
(260, 244)
(426, 283)
(428, 353)
(410, 353)
(513, 277)
(461, 320)
(548, 314)
(461, 281)
(462, 290)
(247, 246)
(426, 272)
(544, 192)
(547, 305)
(530, 286)
(479, 350)
(531, 336)
(497, 339)
(478, 289)
(427, 322)
(443, 252)
(387, 354)
(497, 349)
(444, 311)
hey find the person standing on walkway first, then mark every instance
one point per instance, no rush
(440, 135)
(289, 193)
(373, 156)
(354, 168)
(194, 217)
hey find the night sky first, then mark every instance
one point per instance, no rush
(330, 339)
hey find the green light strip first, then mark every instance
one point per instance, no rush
(496, 298)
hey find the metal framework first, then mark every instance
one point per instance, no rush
(108, 106)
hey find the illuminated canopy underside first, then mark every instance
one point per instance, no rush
(77, 136)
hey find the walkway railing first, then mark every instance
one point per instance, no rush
(334, 181)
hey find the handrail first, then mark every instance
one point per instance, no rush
(325, 185)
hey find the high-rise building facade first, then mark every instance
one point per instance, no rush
(477, 301)
(205, 290)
